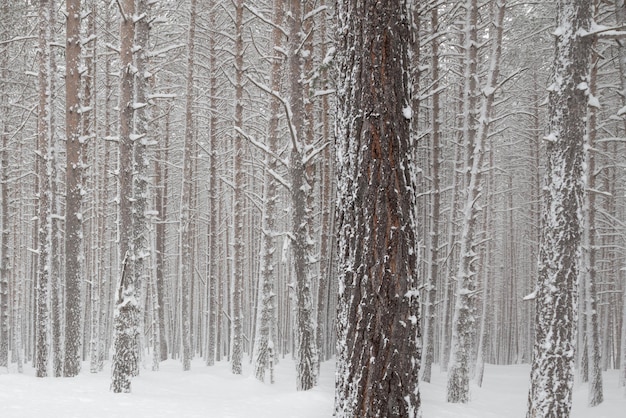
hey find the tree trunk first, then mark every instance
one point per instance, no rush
(560, 248)
(238, 215)
(433, 261)
(589, 272)
(75, 146)
(378, 325)
(126, 357)
(266, 299)
(185, 262)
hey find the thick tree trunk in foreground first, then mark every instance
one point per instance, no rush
(560, 247)
(378, 324)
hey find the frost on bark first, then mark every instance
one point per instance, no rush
(43, 171)
(185, 232)
(266, 299)
(142, 140)
(475, 134)
(126, 319)
(74, 191)
(4, 191)
(588, 273)
(238, 215)
(560, 246)
(378, 320)
(620, 6)
(300, 167)
(212, 236)
(433, 270)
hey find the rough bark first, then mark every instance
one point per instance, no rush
(185, 233)
(560, 247)
(75, 146)
(301, 200)
(126, 319)
(266, 299)
(433, 261)
(378, 323)
(238, 215)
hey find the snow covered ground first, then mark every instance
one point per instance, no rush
(215, 392)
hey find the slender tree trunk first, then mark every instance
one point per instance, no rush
(433, 261)
(126, 356)
(301, 211)
(266, 299)
(238, 215)
(212, 236)
(589, 272)
(620, 6)
(560, 250)
(4, 190)
(161, 198)
(75, 146)
(185, 262)
(142, 140)
(378, 325)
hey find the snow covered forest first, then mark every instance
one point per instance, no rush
(371, 199)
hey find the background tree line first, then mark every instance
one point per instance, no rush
(195, 140)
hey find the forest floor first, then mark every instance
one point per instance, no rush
(215, 392)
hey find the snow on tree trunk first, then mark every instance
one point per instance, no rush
(620, 6)
(75, 146)
(142, 140)
(378, 316)
(185, 233)
(4, 193)
(463, 322)
(238, 215)
(43, 171)
(126, 355)
(301, 211)
(560, 247)
(588, 274)
(212, 238)
(433, 262)
(126, 319)
(266, 299)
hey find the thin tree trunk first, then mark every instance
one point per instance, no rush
(4, 192)
(126, 356)
(266, 299)
(185, 262)
(238, 215)
(433, 261)
(75, 146)
(589, 273)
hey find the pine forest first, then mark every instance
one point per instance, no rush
(382, 201)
